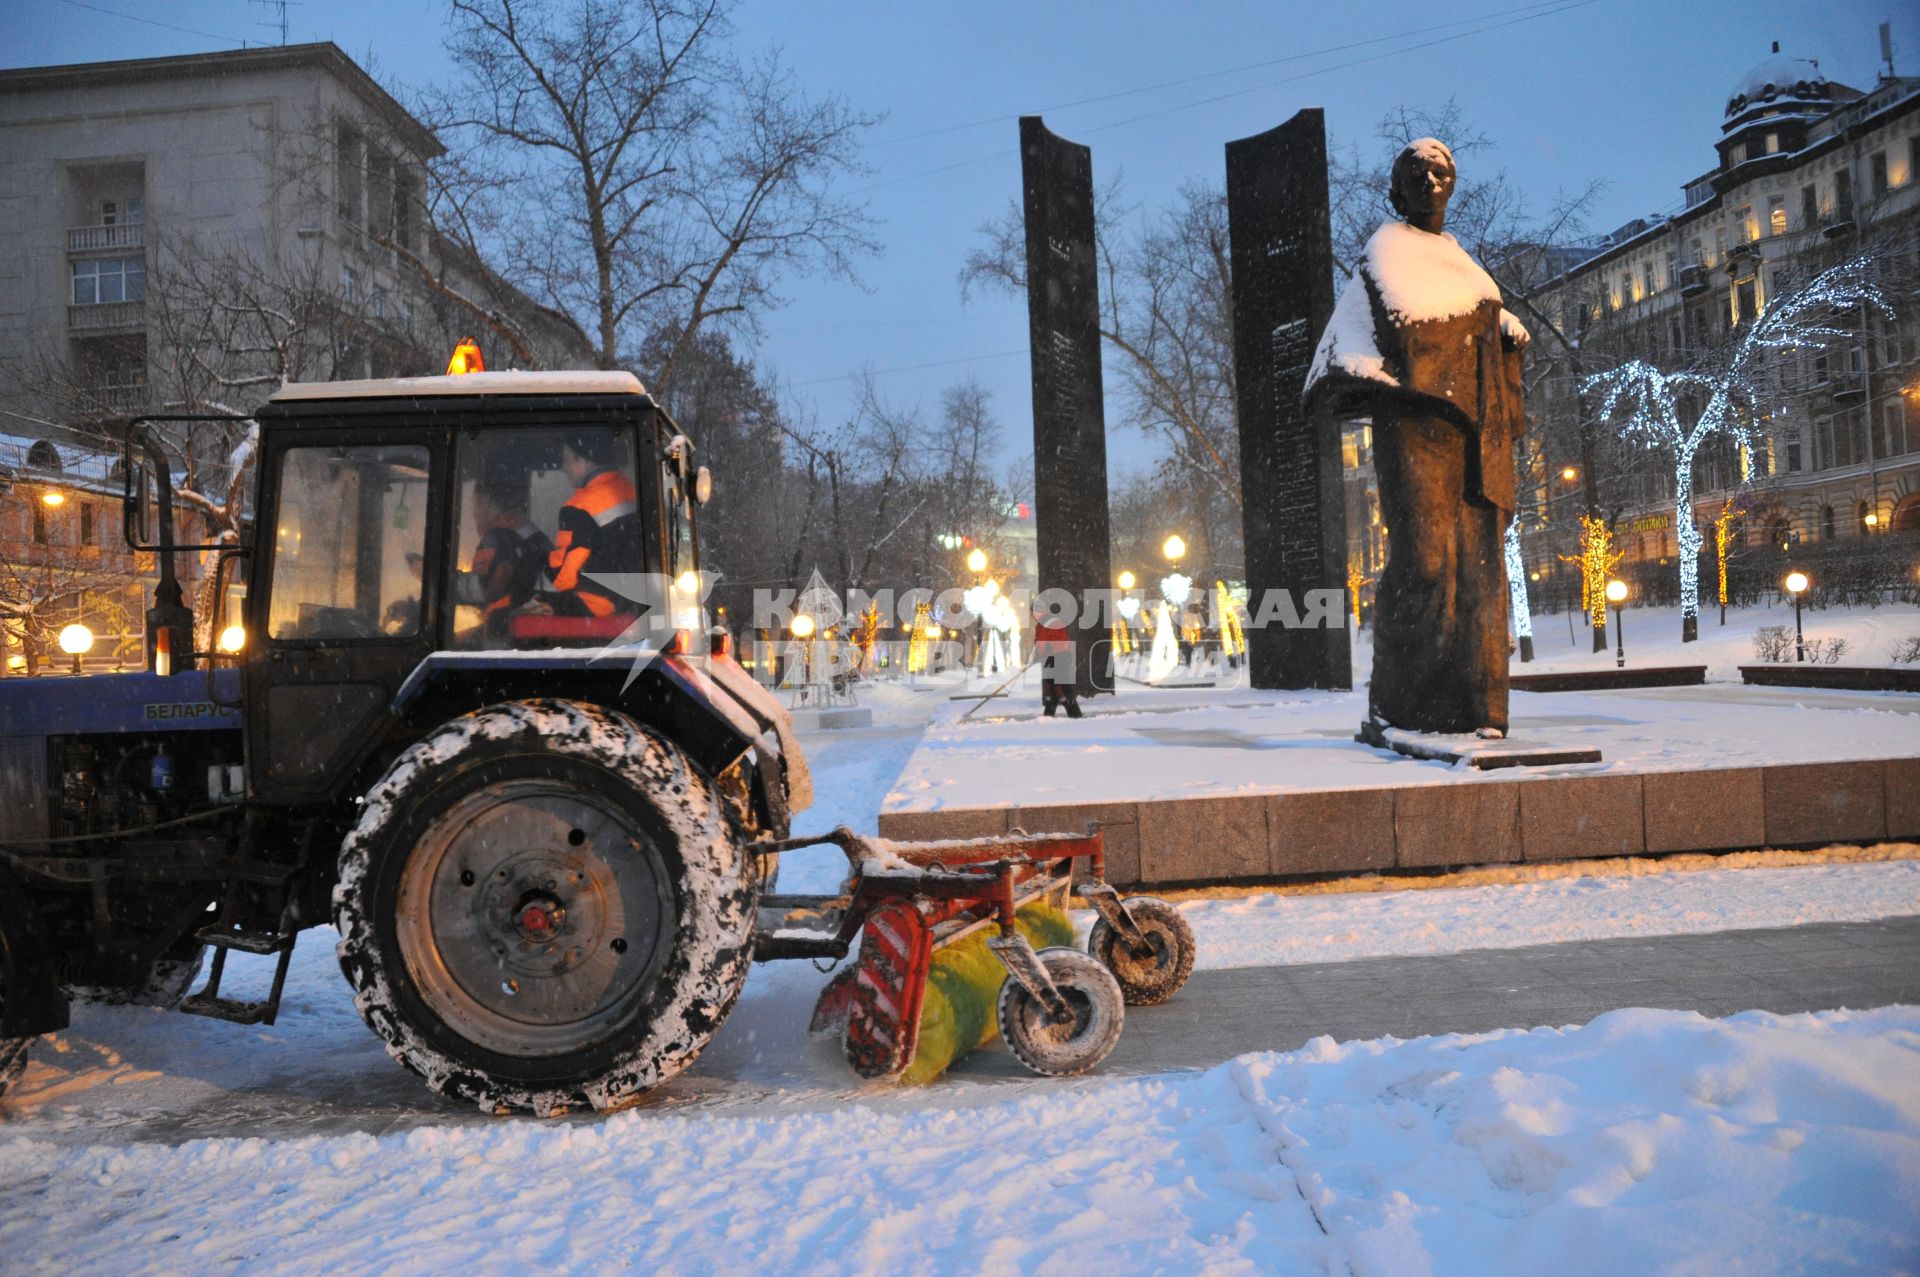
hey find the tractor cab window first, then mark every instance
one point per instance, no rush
(549, 549)
(349, 543)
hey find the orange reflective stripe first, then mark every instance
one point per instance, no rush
(597, 604)
(600, 497)
(567, 575)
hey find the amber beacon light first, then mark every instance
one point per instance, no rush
(466, 358)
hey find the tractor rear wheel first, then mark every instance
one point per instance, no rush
(545, 906)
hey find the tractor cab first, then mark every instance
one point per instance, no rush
(451, 522)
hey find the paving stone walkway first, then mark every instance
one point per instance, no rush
(1221, 1014)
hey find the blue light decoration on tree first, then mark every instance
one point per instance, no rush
(1733, 382)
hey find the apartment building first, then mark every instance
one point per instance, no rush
(1808, 172)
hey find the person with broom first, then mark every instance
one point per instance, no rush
(1053, 648)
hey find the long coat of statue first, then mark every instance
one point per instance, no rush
(1420, 343)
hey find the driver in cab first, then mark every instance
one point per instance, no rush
(599, 532)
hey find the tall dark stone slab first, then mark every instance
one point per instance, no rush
(1069, 417)
(1293, 508)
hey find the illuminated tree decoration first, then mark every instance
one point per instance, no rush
(1734, 386)
(921, 639)
(1356, 582)
(1597, 559)
(1233, 638)
(1722, 534)
(868, 633)
(1517, 588)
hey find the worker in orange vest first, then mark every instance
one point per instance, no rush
(599, 532)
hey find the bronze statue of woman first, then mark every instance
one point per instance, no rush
(1420, 344)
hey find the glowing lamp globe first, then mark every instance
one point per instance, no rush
(1127, 580)
(977, 560)
(1175, 548)
(53, 499)
(803, 626)
(76, 639)
(1797, 582)
(1616, 591)
(233, 638)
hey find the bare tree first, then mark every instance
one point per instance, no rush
(633, 173)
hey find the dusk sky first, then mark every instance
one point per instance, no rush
(1630, 91)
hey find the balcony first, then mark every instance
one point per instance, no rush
(109, 317)
(93, 239)
(1693, 280)
(1838, 222)
(1742, 259)
(1848, 387)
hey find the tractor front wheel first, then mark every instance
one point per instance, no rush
(545, 906)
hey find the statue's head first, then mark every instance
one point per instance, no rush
(1423, 183)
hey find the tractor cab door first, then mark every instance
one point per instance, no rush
(341, 613)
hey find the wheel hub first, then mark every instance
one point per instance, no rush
(534, 916)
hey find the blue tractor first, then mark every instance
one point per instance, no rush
(470, 717)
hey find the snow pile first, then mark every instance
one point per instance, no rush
(1265, 929)
(1645, 1141)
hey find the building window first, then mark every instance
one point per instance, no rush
(1646, 279)
(379, 193)
(1745, 228)
(1822, 369)
(1894, 441)
(406, 196)
(1823, 443)
(86, 523)
(1796, 458)
(1826, 523)
(1777, 215)
(349, 283)
(1809, 206)
(1877, 165)
(348, 174)
(40, 524)
(1746, 302)
(1843, 192)
(1737, 155)
(1773, 144)
(99, 280)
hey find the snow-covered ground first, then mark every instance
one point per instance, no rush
(1644, 1141)
(1169, 742)
(143, 1142)
(1653, 637)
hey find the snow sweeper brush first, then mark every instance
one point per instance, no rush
(962, 939)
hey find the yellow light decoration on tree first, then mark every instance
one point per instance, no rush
(919, 644)
(1356, 581)
(1597, 561)
(1233, 639)
(865, 637)
(1723, 533)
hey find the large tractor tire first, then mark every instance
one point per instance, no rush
(545, 906)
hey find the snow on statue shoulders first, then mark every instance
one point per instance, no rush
(1406, 276)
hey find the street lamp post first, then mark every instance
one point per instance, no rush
(1797, 584)
(1616, 595)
